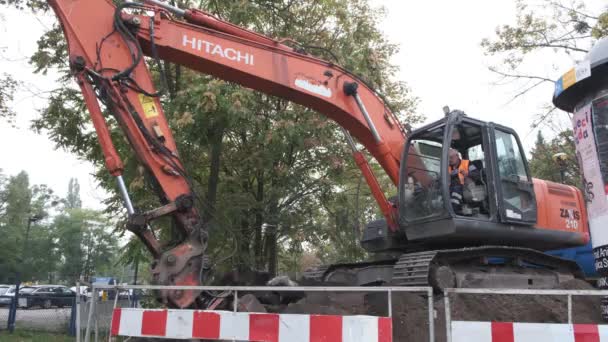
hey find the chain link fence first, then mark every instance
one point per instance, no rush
(42, 313)
(101, 320)
(4, 310)
(41, 308)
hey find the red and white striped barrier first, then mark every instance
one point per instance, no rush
(245, 326)
(527, 332)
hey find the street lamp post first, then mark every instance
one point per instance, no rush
(13, 311)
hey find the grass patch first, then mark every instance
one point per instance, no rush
(32, 336)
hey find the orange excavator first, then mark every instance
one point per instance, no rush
(493, 236)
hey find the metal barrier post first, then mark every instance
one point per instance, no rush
(429, 297)
(78, 312)
(87, 334)
(569, 309)
(134, 299)
(10, 322)
(390, 303)
(72, 326)
(96, 328)
(236, 298)
(448, 317)
(113, 308)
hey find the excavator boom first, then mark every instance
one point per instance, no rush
(107, 45)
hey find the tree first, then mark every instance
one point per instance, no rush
(73, 198)
(256, 161)
(17, 205)
(134, 255)
(22, 203)
(552, 30)
(85, 240)
(543, 166)
(3, 194)
(86, 243)
(8, 86)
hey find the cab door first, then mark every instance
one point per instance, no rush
(514, 189)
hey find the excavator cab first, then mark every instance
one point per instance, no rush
(487, 188)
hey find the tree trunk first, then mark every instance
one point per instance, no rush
(272, 257)
(217, 135)
(136, 270)
(243, 243)
(271, 238)
(259, 220)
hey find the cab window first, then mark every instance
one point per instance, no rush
(421, 190)
(517, 191)
(468, 186)
(510, 161)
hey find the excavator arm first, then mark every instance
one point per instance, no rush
(107, 45)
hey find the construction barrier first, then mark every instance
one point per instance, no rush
(527, 332)
(473, 331)
(146, 322)
(244, 326)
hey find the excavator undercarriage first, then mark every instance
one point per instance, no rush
(476, 267)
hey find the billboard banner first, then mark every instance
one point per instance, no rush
(591, 144)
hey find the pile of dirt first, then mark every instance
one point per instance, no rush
(528, 308)
(410, 315)
(410, 312)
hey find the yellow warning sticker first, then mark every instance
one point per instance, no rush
(149, 106)
(569, 78)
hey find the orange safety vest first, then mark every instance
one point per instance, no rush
(463, 169)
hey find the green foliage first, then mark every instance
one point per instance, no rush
(75, 242)
(135, 255)
(85, 241)
(554, 26)
(29, 4)
(543, 166)
(72, 200)
(16, 200)
(256, 161)
(7, 89)
(24, 208)
(601, 27)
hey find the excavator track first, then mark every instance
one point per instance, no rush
(413, 269)
(484, 267)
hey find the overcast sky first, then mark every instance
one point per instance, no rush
(440, 59)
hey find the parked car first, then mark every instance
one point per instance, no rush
(46, 296)
(7, 292)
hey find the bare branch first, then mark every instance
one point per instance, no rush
(519, 76)
(557, 4)
(543, 117)
(557, 46)
(526, 90)
(540, 120)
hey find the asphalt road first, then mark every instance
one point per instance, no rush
(39, 319)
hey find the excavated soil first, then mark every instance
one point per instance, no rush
(410, 313)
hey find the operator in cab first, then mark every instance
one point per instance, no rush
(462, 172)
